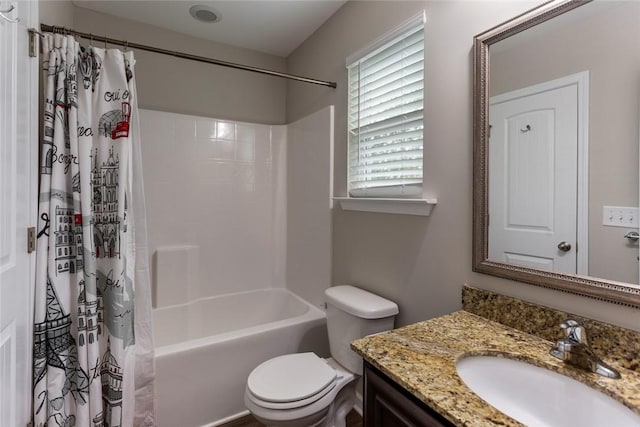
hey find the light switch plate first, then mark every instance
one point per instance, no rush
(620, 216)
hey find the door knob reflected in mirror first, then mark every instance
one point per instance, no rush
(564, 246)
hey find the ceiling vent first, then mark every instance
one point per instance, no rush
(204, 13)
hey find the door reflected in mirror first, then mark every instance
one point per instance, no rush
(556, 133)
(536, 151)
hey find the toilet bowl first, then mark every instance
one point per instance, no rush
(304, 390)
(300, 390)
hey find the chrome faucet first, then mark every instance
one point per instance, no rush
(576, 350)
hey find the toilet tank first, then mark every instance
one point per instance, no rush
(353, 313)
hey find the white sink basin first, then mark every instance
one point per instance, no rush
(539, 397)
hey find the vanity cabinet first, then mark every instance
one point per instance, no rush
(386, 404)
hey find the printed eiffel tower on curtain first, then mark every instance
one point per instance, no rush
(55, 347)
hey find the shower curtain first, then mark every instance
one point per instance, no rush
(93, 352)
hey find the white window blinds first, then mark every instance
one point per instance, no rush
(385, 122)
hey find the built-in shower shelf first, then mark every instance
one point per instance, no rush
(421, 207)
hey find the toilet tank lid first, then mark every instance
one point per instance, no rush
(360, 303)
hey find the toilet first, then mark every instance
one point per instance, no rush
(304, 390)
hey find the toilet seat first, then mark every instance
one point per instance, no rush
(291, 381)
(302, 413)
(293, 404)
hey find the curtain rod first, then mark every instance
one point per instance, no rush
(127, 44)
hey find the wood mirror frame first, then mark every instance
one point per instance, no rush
(600, 289)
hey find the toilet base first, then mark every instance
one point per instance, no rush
(334, 416)
(311, 421)
(305, 422)
(341, 406)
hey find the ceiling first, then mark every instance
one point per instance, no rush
(274, 27)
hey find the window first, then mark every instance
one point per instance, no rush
(385, 121)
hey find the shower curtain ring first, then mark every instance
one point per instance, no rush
(6, 18)
(90, 40)
(126, 45)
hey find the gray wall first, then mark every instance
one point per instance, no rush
(175, 85)
(421, 263)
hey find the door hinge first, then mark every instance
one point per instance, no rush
(31, 239)
(32, 43)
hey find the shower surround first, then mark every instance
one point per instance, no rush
(239, 219)
(216, 205)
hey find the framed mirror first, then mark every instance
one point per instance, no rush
(556, 136)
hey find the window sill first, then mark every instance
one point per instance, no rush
(421, 207)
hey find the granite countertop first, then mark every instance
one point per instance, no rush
(422, 359)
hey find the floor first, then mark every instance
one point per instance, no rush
(353, 420)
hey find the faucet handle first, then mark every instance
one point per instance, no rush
(575, 331)
(568, 323)
(575, 350)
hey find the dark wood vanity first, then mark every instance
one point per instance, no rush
(386, 404)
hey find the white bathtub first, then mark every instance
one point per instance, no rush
(206, 349)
